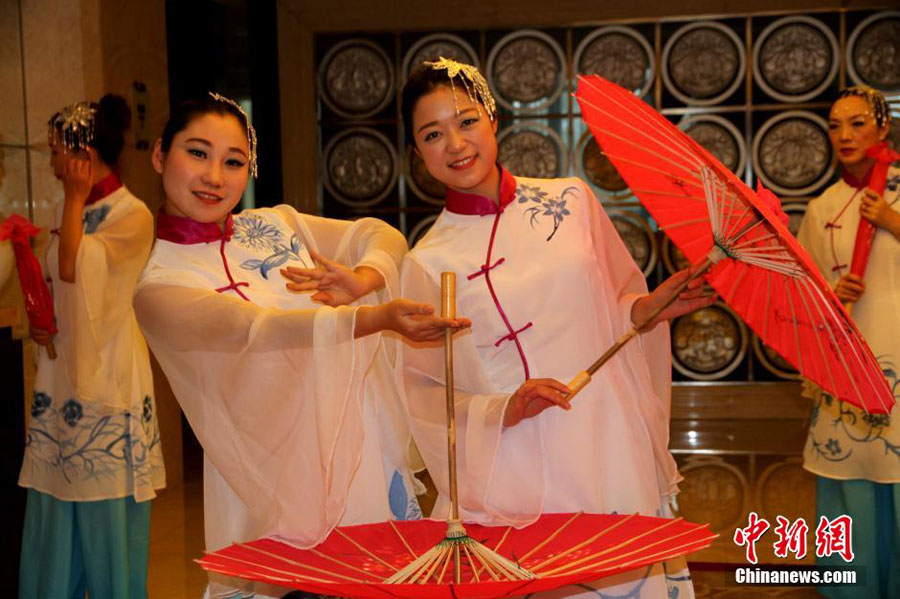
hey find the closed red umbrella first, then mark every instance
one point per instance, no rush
(753, 261)
(38, 302)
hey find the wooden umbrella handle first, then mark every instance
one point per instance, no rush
(51, 351)
(448, 310)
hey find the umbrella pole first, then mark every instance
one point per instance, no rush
(448, 310)
(584, 377)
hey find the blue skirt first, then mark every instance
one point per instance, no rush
(875, 509)
(70, 548)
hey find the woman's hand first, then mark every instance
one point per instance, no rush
(413, 320)
(533, 397)
(850, 288)
(694, 297)
(334, 284)
(77, 179)
(875, 209)
(40, 336)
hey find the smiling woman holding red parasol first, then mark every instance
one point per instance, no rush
(852, 232)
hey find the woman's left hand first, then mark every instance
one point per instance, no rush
(694, 297)
(333, 283)
(876, 210)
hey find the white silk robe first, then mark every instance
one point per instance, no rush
(549, 287)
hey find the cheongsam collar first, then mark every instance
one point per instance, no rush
(187, 231)
(471, 203)
(103, 188)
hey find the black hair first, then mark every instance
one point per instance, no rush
(194, 108)
(111, 119)
(422, 82)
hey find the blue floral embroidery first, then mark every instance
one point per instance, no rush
(403, 507)
(93, 218)
(280, 255)
(91, 446)
(72, 412)
(833, 447)
(39, 403)
(546, 206)
(148, 408)
(892, 183)
(254, 232)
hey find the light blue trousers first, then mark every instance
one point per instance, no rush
(70, 548)
(875, 509)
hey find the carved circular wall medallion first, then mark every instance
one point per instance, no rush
(618, 54)
(673, 259)
(638, 237)
(420, 180)
(773, 362)
(795, 58)
(792, 153)
(594, 166)
(422, 227)
(713, 491)
(356, 79)
(873, 52)
(703, 63)
(526, 70)
(709, 343)
(720, 137)
(436, 45)
(532, 150)
(361, 167)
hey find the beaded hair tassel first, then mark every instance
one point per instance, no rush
(73, 126)
(476, 87)
(251, 132)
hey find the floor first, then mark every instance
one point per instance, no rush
(177, 539)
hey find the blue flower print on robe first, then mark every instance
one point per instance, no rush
(93, 218)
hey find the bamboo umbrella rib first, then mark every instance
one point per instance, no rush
(684, 223)
(549, 539)
(583, 543)
(818, 341)
(664, 194)
(366, 551)
(851, 342)
(712, 208)
(649, 167)
(423, 574)
(226, 571)
(499, 543)
(444, 569)
(624, 543)
(289, 574)
(402, 539)
(308, 567)
(747, 242)
(768, 300)
(794, 320)
(645, 150)
(655, 557)
(617, 556)
(645, 116)
(472, 561)
(736, 285)
(342, 563)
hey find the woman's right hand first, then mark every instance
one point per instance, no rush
(850, 288)
(415, 321)
(533, 397)
(40, 336)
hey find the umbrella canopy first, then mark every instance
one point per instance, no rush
(38, 302)
(559, 549)
(757, 266)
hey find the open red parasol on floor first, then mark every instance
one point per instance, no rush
(38, 302)
(558, 549)
(753, 261)
(431, 559)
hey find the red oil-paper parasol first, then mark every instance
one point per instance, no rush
(38, 302)
(865, 233)
(427, 558)
(558, 550)
(748, 254)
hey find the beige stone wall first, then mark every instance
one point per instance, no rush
(53, 53)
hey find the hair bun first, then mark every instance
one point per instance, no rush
(113, 110)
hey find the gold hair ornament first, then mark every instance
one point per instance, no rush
(476, 87)
(73, 126)
(874, 98)
(251, 132)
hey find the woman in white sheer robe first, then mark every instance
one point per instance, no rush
(549, 286)
(263, 323)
